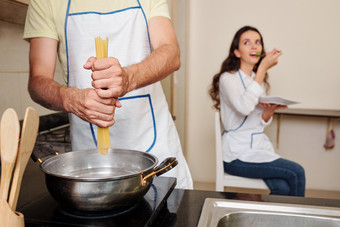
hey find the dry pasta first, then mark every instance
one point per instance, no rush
(103, 135)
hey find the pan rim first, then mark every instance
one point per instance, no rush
(56, 158)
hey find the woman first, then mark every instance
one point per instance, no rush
(235, 90)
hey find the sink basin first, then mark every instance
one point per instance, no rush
(233, 213)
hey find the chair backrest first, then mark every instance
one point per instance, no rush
(224, 179)
(219, 154)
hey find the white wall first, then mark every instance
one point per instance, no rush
(301, 138)
(14, 71)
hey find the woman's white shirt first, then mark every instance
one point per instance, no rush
(241, 116)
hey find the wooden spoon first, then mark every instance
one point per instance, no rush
(29, 134)
(10, 130)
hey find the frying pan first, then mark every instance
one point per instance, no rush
(89, 181)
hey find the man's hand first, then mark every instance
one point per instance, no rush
(109, 79)
(87, 105)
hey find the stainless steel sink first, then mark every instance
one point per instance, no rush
(233, 213)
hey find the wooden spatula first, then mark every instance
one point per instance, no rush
(10, 130)
(29, 134)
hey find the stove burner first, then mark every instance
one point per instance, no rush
(96, 215)
(60, 134)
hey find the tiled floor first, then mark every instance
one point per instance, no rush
(309, 192)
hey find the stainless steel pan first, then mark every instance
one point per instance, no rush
(89, 181)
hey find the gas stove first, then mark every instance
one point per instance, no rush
(59, 134)
(47, 212)
(54, 128)
(53, 136)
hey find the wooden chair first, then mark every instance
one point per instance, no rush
(226, 180)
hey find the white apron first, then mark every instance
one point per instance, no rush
(247, 142)
(143, 122)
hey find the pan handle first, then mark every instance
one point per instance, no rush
(43, 150)
(164, 167)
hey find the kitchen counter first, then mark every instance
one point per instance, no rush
(183, 207)
(189, 206)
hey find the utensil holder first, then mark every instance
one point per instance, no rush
(8, 218)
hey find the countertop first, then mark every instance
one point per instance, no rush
(190, 203)
(183, 207)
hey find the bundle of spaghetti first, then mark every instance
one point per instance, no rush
(103, 135)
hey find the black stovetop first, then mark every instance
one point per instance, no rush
(45, 211)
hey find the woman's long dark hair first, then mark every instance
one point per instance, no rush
(232, 64)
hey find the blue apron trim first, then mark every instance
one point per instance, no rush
(245, 118)
(154, 197)
(241, 79)
(99, 13)
(146, 23)
(93, 134)
(231, 130)
(66, 44)
(252, 135)
(153, 119)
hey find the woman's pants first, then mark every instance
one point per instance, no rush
(283, 177)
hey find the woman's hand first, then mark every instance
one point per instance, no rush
(271, 59)
(269, 109)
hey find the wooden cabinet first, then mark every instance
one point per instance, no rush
(23, 2)
(13, 11)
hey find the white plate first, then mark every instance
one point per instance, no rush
(276, 100)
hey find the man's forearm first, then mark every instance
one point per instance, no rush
(46, 92)
(158, 65)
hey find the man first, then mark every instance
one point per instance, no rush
(132, 72)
